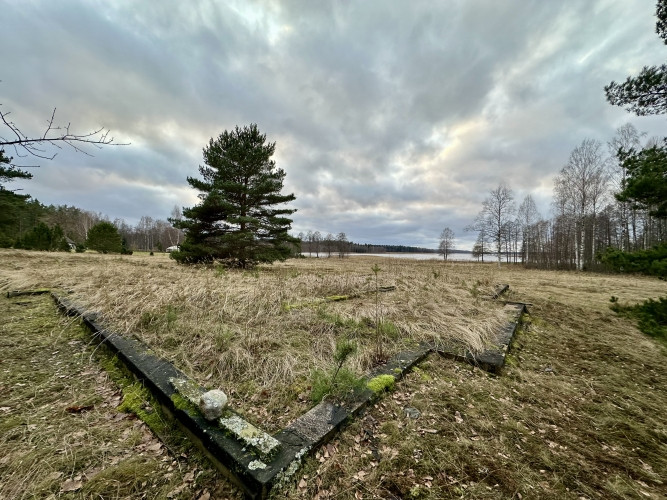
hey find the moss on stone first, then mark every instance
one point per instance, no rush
(381, 383)
(138, 400)
(181, 403)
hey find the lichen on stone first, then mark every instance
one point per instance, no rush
(189, 389)
(256, 464)
(260, 442)
(284, 476)
(212, 404)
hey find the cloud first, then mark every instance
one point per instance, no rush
(392, 119)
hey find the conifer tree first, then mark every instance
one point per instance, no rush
(104, 238)
(646, 93)
(236, 221)
(9, 172)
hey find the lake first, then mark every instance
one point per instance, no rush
(421, 256)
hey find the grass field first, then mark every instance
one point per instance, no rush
(260, 335)
(579, 411)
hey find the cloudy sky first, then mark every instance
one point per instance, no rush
(393, 119)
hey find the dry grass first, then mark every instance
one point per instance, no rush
(578, 413)
(260, 334)
(61, 435)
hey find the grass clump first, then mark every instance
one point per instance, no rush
(342, 382)
(651, 316)
(322, 385)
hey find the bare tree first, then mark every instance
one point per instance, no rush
(329, 244)
(446, 242)
(581, 185)
(87, 221)
(317, 242)
(301, 237)
(53, 135)
(309, 239)
(526, 218)
(342, 244)
(146, 230)
(478, 249)
(175, 234)
(626, 138)
(497, 212)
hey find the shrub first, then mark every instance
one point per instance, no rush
(652, 262)
(104, 238)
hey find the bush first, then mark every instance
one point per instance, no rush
(652, 262)
(42, 237)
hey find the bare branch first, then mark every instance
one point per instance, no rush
(55, 136)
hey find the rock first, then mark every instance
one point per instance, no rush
(212, 403)
(411, 412)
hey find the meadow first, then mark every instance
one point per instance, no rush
(260, 335)
(577, 412)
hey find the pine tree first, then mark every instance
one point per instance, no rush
(646, 93)
(104, 238)
(9, 172)
(236, 221)
(646, 183)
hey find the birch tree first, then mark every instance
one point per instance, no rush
(581, 184)
(497, 212)
(446, 242)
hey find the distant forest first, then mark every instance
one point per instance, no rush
(316, 245)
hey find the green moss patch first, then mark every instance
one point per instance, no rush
(381, 383)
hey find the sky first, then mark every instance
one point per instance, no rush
(392, 119)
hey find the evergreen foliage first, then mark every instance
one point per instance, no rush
(646, 93)
(9, 172)
(652, 262)
(104, 238)
(18, 214)
(41, 237)
(646, 182)
(236, 221)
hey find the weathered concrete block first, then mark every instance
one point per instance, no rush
(187, 388)
(256, 439)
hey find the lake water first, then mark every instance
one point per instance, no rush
(421, 256)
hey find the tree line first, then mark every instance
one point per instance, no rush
(27, 223)
(603, 200)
